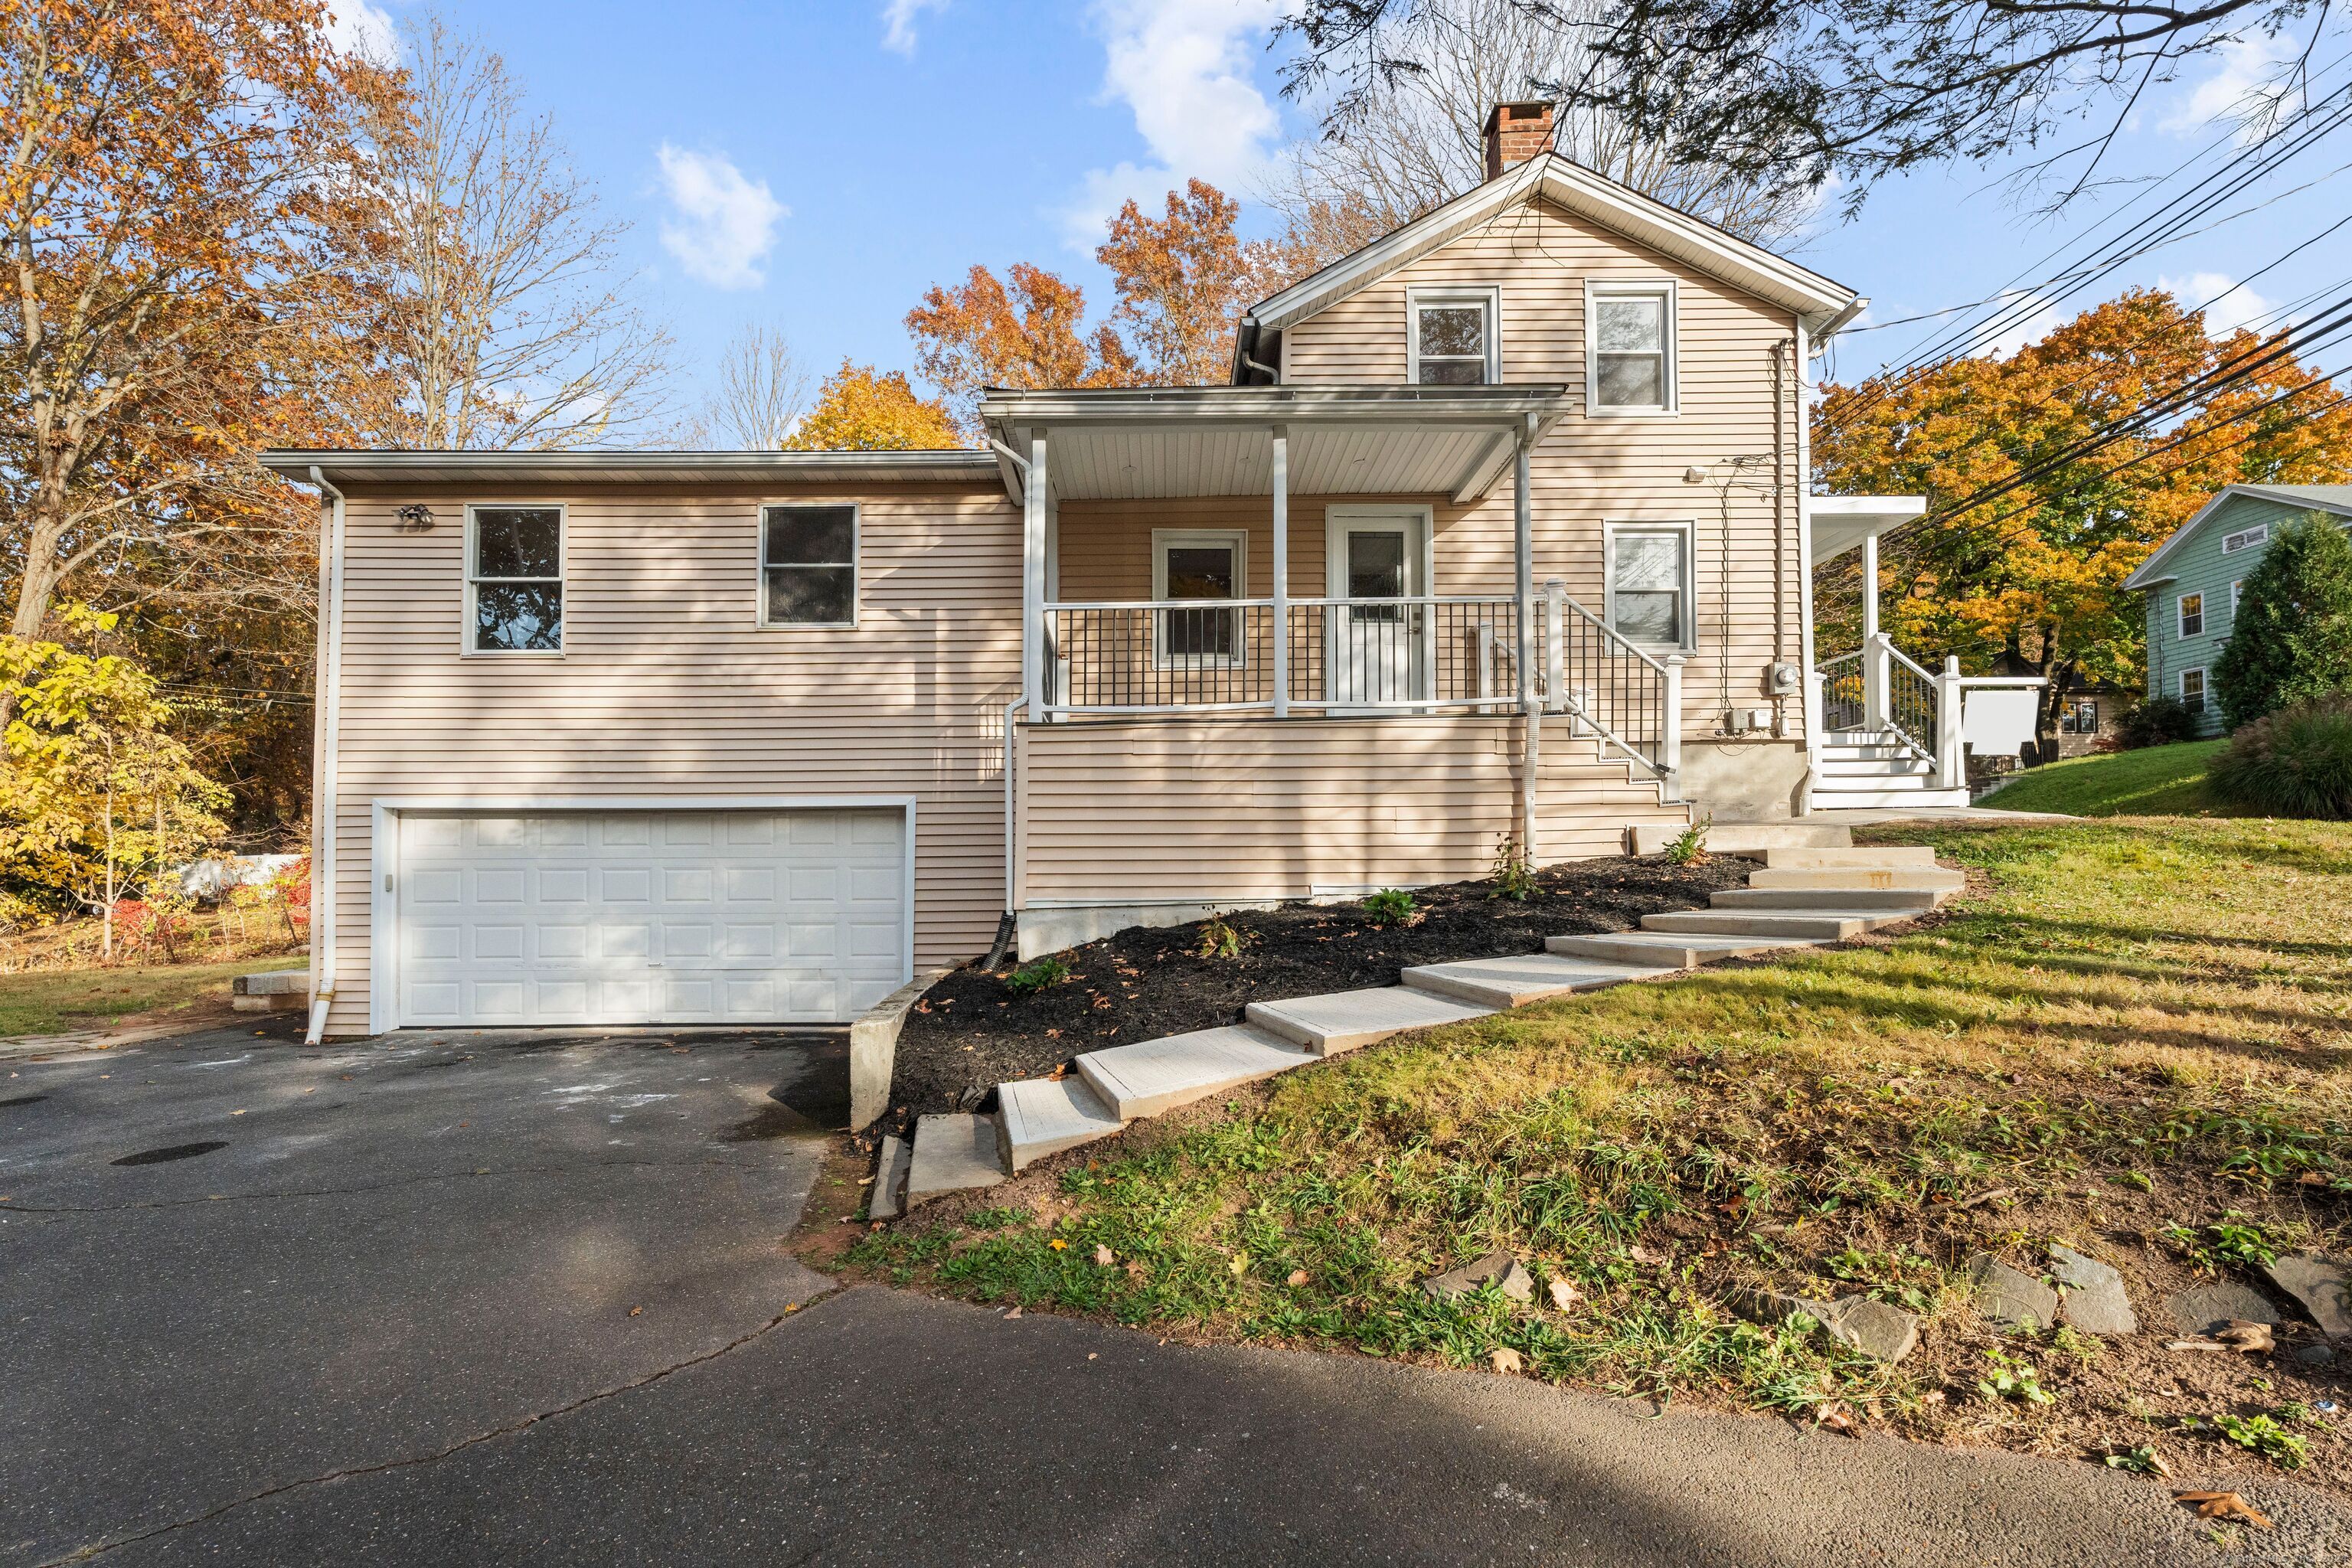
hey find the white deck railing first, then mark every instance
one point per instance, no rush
(1878, 687)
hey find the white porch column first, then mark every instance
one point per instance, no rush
(1032, 578)
(1951, 739)
(1282, 570)
(1530, 715)
(1869, 587)
(1874, 659)
(1670, 738)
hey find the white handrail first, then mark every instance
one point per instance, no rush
(1612, 634)
(1914, 666)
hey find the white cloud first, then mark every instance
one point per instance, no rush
(356, 27)
(1183, 67)
(725, 222)
(2246, 87)
(2022, 318)
(2228, 304)
(898, 21)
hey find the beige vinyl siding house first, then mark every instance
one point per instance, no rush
(603, 741)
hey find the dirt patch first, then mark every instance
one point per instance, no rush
(969, 1032)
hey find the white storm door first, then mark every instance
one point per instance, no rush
(648, 917)
(1379, 654)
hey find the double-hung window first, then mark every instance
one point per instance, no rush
(1455, 334)
(1198, 565)
(808, 566)
(1630, 345)
(514, 579)
(2192, 691)
(2192, 615)
(1650, 583)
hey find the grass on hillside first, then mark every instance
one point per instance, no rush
(2156, 781)
(2135, 1042)
(54, 1001)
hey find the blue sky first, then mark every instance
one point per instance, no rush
(816, 164)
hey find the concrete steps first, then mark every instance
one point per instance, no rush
(1665, 950)
(1828, 798)
(1823, 925)
(1917, 901)
(1885, 855)
(1157, 1076)
(952, 1154)
(1343, 1020)
(1859, 878)
(1877, 770)
(1746, 838)
(1501, 983)
(1040, 1116)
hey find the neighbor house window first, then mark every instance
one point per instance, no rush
(2245, 539)
(1203, 565)
(1631, 366)
(2237, 591)
(2192, 691)
(1453, 337)
(1650, 583)
(808, 566)
(2192, 615)
(514, 579)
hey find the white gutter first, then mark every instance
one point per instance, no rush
(328, 685)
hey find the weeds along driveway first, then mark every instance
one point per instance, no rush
(228, 1263)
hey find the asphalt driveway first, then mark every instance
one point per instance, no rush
(509, 1301)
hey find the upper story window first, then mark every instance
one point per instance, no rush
(808, 566)
(1650, 582)
(2245, 539)
(1455, 334)
(2192, 615)
(1631, 348)
(514, 579)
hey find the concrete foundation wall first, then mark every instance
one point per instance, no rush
(1744, 781)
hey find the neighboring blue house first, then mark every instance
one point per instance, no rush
(2194, 578)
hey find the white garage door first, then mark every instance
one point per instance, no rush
(649, 917)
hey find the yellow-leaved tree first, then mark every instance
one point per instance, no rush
(96, 795)
(862, 409)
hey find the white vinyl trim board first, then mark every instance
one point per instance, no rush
(636, 911)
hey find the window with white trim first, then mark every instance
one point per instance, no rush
(2237, 591)
(1198, 564)
(2245, 539)
(514, 579)
(808, 566)
(2192, 615)
(1630, 348)
(1454, 336)
(2192, 691)
(1650, 583)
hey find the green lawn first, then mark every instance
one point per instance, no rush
(2157, 780)
(54, 1001)
(2142, 1031)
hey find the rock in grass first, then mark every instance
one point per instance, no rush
(1504, 1270)
(2094, 1301)
(2209, 1308)
(2324, 1287)
(2009, 1297)
(1876, 1329)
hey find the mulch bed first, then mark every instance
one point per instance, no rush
(970, 1033)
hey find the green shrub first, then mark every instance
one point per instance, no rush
(2291, 632)
(2158, 721)
(1515, 879)
(1390, 906)
(2295, 762)
(1689, 846)
(1032, 978)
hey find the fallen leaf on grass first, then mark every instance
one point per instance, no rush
(1058, 1245)
(1240, 1265)
(1564, 1295)
(1297, 1277)
(1505, 1360)
(1645, 1257)
(1838, 1418)
(1103, 1259)
(1134, 1269)
(2223, 1505)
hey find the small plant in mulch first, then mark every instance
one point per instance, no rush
(2232, 1239)
(1513, 879)
(2267, 1436)
(2013, 1380)
(1689, 846)
(1390, 907)
(1218, 939)
(1032, 978)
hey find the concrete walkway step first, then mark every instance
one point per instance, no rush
(1342, 1020)
(1040, 1116)
(1669, 950)
(953, 1152)
(1745, 837)
(1153, 1076)
(888, 1198)
(1828, 925)
(1844, 799)
(1870, 879)
(1880, 855)
(1514, 982)
(1916, 900)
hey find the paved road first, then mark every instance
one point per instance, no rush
(394, 1318)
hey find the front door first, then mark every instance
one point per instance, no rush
(1379, 652)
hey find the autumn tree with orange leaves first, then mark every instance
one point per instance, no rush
(1028, 331)
(168, 232)
(2032, 579)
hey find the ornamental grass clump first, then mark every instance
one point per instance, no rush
(2295, 762)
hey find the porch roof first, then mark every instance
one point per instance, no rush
(1842, 522)
(1126, 443)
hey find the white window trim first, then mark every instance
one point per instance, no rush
(2204, 688)
(1688, 530)
(856, 570)
(466, 648)
(1488, 299)
(2245, 537)
(1599, 288)
(1162, 540)
(2237, 591)
(2180, 615)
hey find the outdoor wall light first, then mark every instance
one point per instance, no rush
(416, 519)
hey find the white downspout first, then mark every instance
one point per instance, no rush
(327, 736)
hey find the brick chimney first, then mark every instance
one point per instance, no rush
(1515, 133)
